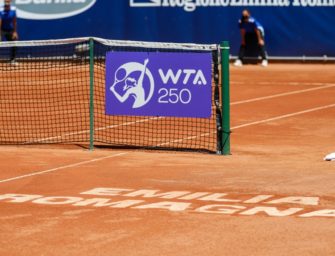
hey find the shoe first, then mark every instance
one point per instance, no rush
(13, 62)
(330, 157)
(238, 63)
(265, 63)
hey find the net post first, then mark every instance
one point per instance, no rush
(91, 59)
(225, 94)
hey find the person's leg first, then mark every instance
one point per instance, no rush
(241, 53)
(262, 51)
(264, 56)
(9, 37)
(13, 54)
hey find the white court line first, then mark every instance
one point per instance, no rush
(282, 94)
(62, 167)
(96, 129)
(186, 138)
(276, 83)
(166, 143)
(283, 116)
(156, 118)
(182, 139)
(252, 123)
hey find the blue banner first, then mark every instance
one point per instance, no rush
(292, 27)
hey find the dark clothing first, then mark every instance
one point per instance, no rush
(251, 45)
(250, 25)
(8, 36)
(7, 18)
(7, 27)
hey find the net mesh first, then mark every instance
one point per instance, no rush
(45, 98)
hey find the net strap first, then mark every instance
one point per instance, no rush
(116, 43)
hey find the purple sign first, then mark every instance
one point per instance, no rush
(158, 84)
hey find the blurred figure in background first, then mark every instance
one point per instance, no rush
(250, 28)
(8, 24)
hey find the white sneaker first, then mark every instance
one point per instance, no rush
(13, 62)
(238, 63)
(330, 157)
(265, 63)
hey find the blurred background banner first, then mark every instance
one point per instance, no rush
(292, 27)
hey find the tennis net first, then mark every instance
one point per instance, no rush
(55, 92)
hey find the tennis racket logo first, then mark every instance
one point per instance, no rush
(133, 79)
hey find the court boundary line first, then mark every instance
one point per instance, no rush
(282, 94)
(187, 138)
(326, 86)
(96, 129)
(255, 123)
(62, 167)
(276, 83)
(284, 116)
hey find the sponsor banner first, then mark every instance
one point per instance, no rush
(192, 5)
(159, 84)
(50, 9)
(292, 27)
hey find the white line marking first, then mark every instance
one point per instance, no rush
(284, 116)
(252, 123)
(182, 139)
(278, 83)
(63, 167)
(186, 138)
(166, 143)
(96, 129)
(156, 118)
(282, 94)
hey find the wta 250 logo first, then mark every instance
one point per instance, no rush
(158, 84)
(49, 9)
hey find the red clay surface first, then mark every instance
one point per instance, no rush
(283, 125)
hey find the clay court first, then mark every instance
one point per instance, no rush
(273, 196)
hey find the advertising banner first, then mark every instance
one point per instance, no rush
(159, 84)
(292, 27)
